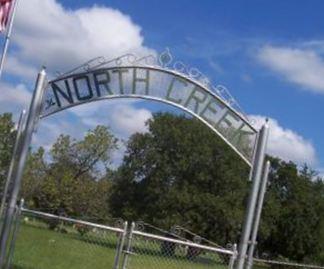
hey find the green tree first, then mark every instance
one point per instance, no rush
(34, 176)
(292, 216)
(7, 137)
(180, 172)
(72, 180)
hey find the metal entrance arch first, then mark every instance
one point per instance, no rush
(153, 78)
(154, 83)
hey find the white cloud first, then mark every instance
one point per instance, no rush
(47, 33)
(13, 98)
(121, 115)
(321, 173)
(50, 129)
(287, 144)
(16, 67)
(128, 119)
(303, 67)
(118, 155)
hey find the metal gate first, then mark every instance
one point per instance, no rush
(149, 251)
(46, 241)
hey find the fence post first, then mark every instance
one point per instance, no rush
(14, 233)
(254, 191)
(263, 188)
(129, 246)
(233, 257)
(120, 246)
(23, 146)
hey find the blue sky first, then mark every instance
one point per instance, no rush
(269, 54)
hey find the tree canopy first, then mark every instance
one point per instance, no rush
(181, 173)
(70, 179)
(7, 137)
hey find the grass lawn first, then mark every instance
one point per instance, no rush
(40, 248)
(37, 247)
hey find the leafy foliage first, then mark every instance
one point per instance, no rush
(181, 173)
(292, 217)
(7, 136)
(71, 183)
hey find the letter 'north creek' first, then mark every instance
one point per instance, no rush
(166, 87)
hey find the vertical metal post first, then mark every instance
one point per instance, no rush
(120, 246)
(233, 257)
(256, 176)
(14, 235)
(129, 246)
(23, 147)
(13, 158)
(8, 35)
(263, 188)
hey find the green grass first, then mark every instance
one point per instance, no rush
(37, 247)
(40, 248)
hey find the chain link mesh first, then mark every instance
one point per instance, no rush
(149, 253)
(53, 243)
(47, 241)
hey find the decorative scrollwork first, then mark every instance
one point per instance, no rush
(147, 60)
(49, 103)
(194, 72)
(164, 60)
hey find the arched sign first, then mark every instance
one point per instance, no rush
(154, 83)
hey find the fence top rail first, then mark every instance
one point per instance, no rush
(289, 263)
(185, 243)
(94, 225)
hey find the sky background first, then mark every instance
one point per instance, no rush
(269, 54)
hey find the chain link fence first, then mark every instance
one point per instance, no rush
(41, 240)
(48, 241)
(149, 251)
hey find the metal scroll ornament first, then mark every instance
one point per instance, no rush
(158, 78)
(165, 60)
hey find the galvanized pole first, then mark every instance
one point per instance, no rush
(8, 35)
(256, 176)
(23, 146)
(233, 257)
(249, 263)
(12, 163)
(15, 232)
(120, 246)
(129, 246)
